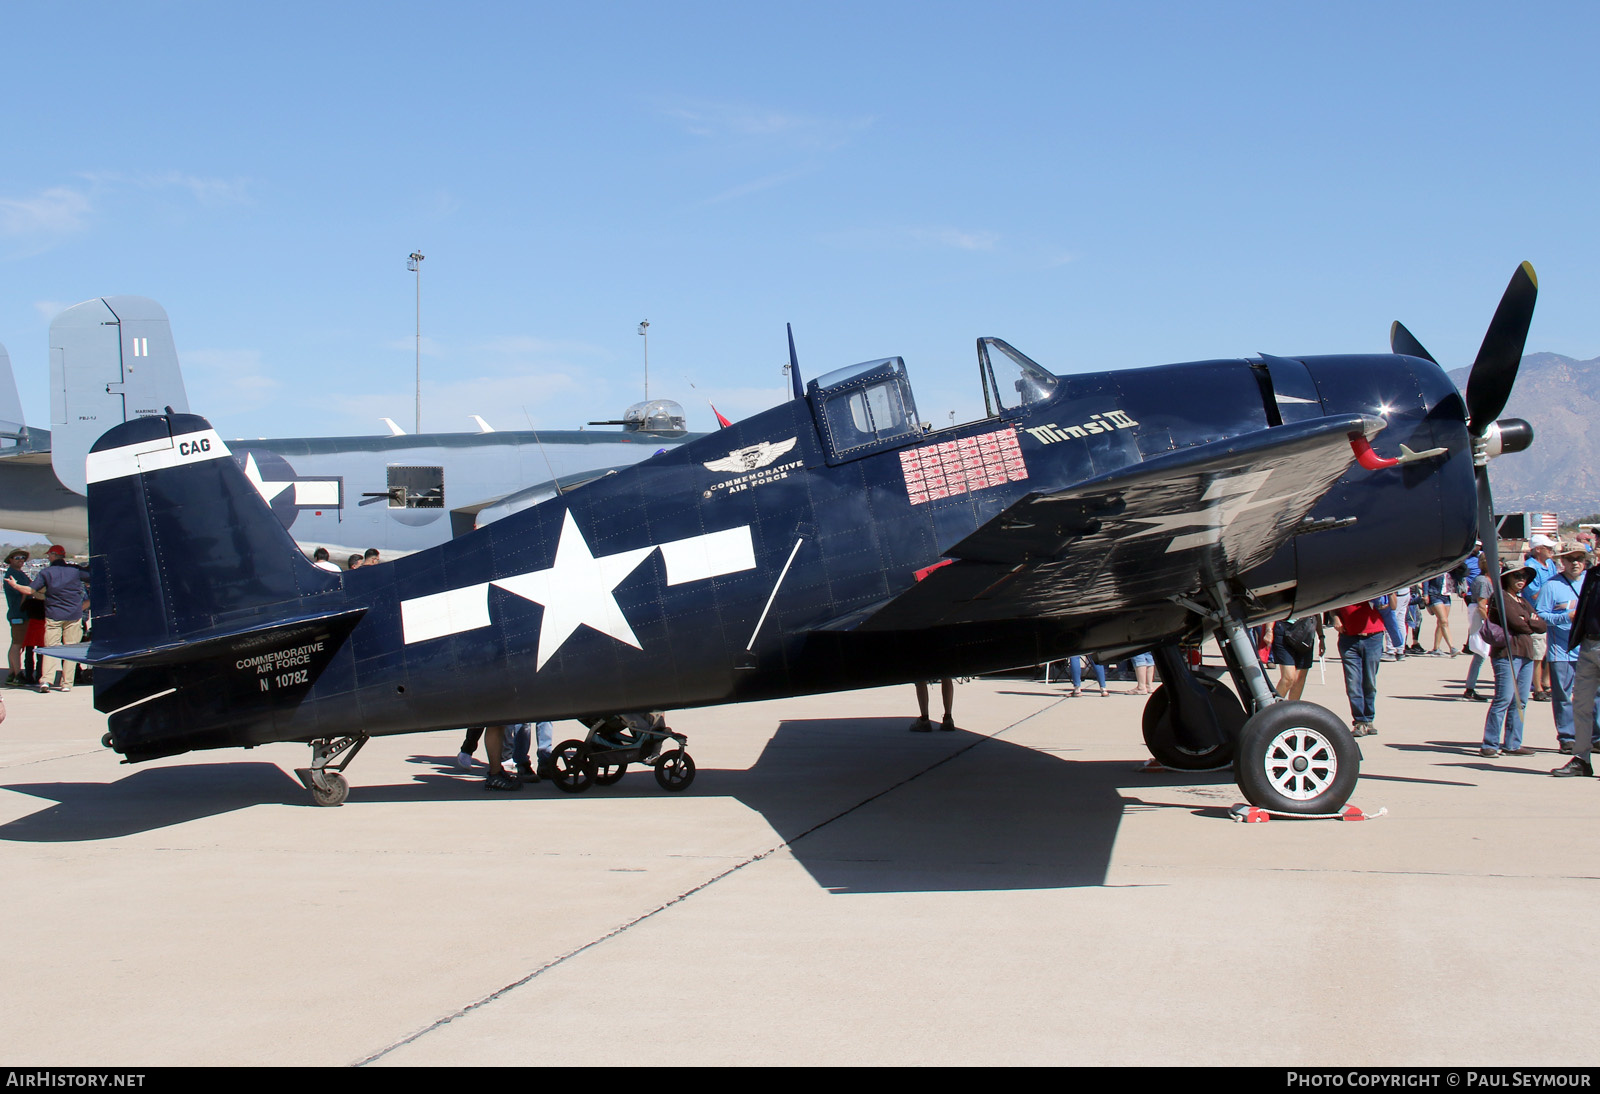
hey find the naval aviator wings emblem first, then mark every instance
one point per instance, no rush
(749, 458)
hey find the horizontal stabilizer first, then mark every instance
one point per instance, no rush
(219, 642)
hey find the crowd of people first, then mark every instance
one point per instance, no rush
(1545, 650)
(1545, 647)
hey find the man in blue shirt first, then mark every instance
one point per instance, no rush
(1585, 637)
(62, 583)
(1557, 601)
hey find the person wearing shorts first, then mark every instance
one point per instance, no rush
(1293, 654)
(1144, 673)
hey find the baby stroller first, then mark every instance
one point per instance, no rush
(616, 741)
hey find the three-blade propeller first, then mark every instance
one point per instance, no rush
(1489, 384)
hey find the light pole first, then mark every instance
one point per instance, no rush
(644, 332)
(414, 264)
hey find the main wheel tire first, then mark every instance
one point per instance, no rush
(675, 770)
(572, 769)
(1161, 736)
(1297, 757)
(338, 790)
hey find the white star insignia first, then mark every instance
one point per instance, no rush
(577, 591)
(267, 490)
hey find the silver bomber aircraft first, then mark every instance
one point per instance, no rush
(112, 359)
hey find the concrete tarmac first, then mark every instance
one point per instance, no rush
(831, 890)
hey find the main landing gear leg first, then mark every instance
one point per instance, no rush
(324, 778)
(1289, 757)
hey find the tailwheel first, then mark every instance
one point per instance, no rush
(1161, 735)
(334, 791)
(572, 768)
(1297, 757)
(329, 757)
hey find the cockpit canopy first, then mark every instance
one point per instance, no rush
(865, 408)
(1011, 380)
(869, 407)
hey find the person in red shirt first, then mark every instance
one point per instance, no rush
(1361, 628)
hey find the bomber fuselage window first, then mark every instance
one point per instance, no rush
(416, 487)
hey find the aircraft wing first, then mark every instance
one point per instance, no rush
(1134, 536)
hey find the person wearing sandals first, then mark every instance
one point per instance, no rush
(947, 692)
(18, 590)
(1077, 676)
(1144, 673)
(1511, 655)
(497, 742)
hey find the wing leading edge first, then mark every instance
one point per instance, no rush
(1134, 536)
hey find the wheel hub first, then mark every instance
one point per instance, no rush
(1301, 763)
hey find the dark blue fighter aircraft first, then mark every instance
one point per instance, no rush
(832, 542)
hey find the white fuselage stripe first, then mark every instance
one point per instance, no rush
(449, 612)
(710, 555)
(154, 455)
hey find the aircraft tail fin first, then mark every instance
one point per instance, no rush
(182, 542)
(13, 431)
(112, 360)
(198, 592)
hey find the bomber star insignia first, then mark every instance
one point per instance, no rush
(267, 490)
(577, 591)
(749, 458)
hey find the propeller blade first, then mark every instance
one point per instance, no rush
(1495, 370)
(1403, 341)
(1490, 535)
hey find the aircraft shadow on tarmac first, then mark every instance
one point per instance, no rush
(150, 798)
(869, 808)
(864, 806)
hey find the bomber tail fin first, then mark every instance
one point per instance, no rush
(192, 578)
(12, 429)
(112, 360)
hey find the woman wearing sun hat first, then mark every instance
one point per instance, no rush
(18, 590)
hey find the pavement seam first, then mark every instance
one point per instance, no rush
(686, 894)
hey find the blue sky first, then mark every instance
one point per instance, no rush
(1103, 186)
